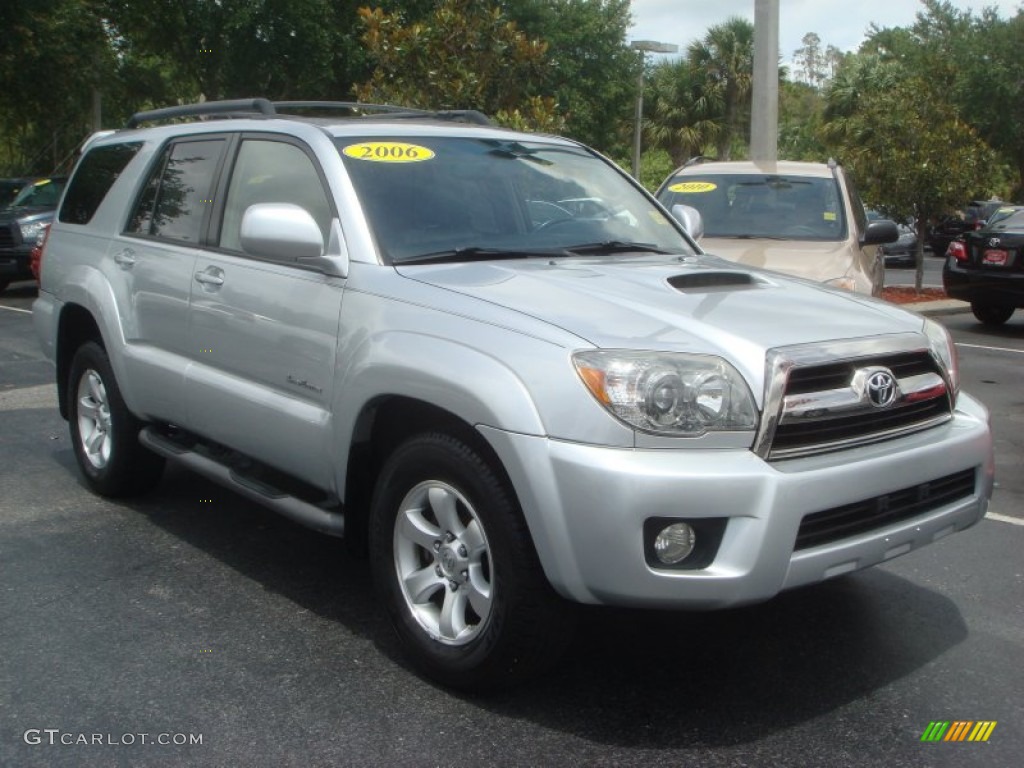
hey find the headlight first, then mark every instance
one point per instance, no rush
(30, 229)
(944, 349)
(668, 394)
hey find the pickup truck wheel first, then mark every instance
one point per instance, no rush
(991, 314)
(455, 567)
(105, 435)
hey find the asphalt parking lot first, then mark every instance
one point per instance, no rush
(189, 627)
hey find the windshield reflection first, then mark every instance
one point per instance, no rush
(470, 198)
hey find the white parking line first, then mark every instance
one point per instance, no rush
(991, 349)
(1004, 518)
(16, 309)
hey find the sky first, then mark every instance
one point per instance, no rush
(842, 23)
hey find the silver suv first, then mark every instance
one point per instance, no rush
(496, 362)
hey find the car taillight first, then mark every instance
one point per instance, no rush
(958, 250)
(35, 258)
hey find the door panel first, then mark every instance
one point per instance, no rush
(262, 382)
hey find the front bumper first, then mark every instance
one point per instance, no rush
(586, 506)
(14, 263)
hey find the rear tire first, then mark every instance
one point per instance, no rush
(104, 433)
(991, 314)
(455, 567)
(3, 285)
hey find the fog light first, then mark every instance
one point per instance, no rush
(674, 543)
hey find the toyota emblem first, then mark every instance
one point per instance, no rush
(993, 242)
(881, 389)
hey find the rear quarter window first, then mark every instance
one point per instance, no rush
(96, 174)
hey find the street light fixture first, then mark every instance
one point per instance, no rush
(644, 46)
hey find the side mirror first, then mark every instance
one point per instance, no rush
(691, 220)
(880, 231)
(288, 234)
(281, 232)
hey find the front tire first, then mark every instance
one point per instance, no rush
(455, 567)
(104, 433)
(991, 314)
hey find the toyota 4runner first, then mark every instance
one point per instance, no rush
(405, 328)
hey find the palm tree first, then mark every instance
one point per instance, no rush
(683, 111)
(726, 56)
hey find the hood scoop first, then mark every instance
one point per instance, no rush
(709, 282)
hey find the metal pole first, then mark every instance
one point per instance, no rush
(638, 119)
(642, 46)
(764, 114)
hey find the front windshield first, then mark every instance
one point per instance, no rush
(481, 198)
(777, 206)
(43, 193)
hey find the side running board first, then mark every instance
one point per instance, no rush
(330, 520)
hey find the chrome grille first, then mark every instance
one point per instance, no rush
(820, 400)
(870, 514)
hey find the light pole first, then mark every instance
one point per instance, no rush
(643, 46)
(764, 112)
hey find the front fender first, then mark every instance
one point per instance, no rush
(472, 385)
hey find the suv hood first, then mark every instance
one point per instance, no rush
(813, 259)
(670, 303)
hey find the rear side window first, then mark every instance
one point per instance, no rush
(177, 196)
(96, 174)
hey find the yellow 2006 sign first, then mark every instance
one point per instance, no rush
(388, 152)
(693, 186)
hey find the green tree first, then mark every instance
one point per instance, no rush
(800, 114)
(217, 49)
(591, 73)
(53, 57)
(910, 151)
(682, 111)
(990, 90)
(810, 60)
(464, 55)
(726, 55)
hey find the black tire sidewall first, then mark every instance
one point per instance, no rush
(490, 657)
(991, 314)
(131, 468)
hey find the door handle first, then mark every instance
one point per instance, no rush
(206, 278)
(125, 258)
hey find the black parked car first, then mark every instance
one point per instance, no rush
(950, 228)
(22, 222)
(986, 268)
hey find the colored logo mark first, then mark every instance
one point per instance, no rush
(958, 730)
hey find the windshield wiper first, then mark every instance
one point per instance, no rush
(615, 246)
(472, 253)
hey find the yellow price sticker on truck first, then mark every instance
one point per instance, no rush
(388, 152)
(693, 186)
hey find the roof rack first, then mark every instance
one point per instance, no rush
(227, 108)
(260, 107)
